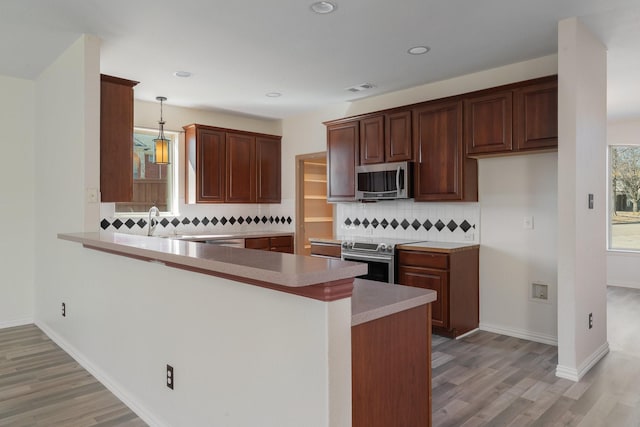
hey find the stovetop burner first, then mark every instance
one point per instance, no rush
(373, 244)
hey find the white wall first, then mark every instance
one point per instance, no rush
(242, 355)
(582, 146)
(537, 194)
(17, 115)
(623, 268)
(512, 257)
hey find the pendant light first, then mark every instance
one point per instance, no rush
(162, 143)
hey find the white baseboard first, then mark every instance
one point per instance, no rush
(576, 375)
(473, 331)
(102, 376)
(520, 333)
(16, 322)
(632, 285)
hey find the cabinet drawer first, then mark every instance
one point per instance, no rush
(257, 243)
(281, 241)
(326, 250)
(424, 259)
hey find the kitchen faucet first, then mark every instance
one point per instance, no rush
(152, 220)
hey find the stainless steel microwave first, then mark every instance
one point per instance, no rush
(384, 181)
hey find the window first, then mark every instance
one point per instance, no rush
(624, 172)
(152, 184)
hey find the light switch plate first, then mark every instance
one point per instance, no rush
(527, 222)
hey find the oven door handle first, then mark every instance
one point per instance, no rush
(398, 181)
(388, 260)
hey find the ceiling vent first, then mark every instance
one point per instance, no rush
(360, 88)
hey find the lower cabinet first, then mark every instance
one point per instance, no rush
(274, 243)
(326, 250)
(391, 370)
(454, 276)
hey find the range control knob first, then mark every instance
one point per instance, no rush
(390, 248)
(383, 247)
(344, 245)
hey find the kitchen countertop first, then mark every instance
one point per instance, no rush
(243, 235)
(326, 279)
(426, 246)
(372, 300)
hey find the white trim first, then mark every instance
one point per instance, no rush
(16, 322)
(473, 331)
(520, 333)
(577, 374)
(632, 285)
(112, 385)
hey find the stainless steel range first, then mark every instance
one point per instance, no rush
(378, 253)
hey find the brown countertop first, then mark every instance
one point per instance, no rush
(372, 300)
(274, 270)
(243, 235)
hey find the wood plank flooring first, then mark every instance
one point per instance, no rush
(482, 380)
(493, 380)
(41, 385)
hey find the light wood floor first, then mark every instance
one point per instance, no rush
(482, 380)
(493, 380)
(40, 385)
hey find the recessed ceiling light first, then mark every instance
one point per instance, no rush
(360, 87)
(419, 50)
(273, 94)
(323, 7)
(183, 74)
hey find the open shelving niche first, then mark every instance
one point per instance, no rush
(318, 214)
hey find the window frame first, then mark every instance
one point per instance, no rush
(611, 201)
(173, 204)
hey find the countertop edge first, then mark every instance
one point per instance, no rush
(325, 282)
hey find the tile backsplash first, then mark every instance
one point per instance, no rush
(207, 219)
(440, 222)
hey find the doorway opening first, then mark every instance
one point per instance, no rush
(314, 216)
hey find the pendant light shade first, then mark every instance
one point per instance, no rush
(162, 143)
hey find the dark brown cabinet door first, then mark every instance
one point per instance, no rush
(261, 243)
(241, 168)
(268, 161)
(116, 139)
(342, 156)
(210, 161)
(281, 244)
(536, 116)
(436, 280)
(372, 140)
(398, 147)
(439, 153)
(488, 123)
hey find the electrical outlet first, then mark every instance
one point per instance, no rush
(64, 309)
(527, 222)
(469, 236)
(590, 320)
(170, 377)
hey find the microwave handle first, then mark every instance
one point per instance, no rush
(398, 180)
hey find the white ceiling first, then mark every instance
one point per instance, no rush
(240, 50)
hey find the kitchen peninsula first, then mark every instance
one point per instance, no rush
(313, 340)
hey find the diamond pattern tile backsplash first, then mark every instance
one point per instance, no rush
(212, 219)
(440, 222)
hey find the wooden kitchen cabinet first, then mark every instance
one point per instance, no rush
(454, 276)
(272, 243)
(116, 139)
(342, 157)
(326, 250)
(230, 166)
(241, 168)
(536, 115)
(443, 172)
(386, 138)
(268, 169)
(372, 140)
(513, 119)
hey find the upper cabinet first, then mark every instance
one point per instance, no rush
(536, 116)
(116, 139)
(442, 171)
(488, 120)
(386, 138)
(268, 169)
(513, 119)
(342, 157)
(225, 165)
